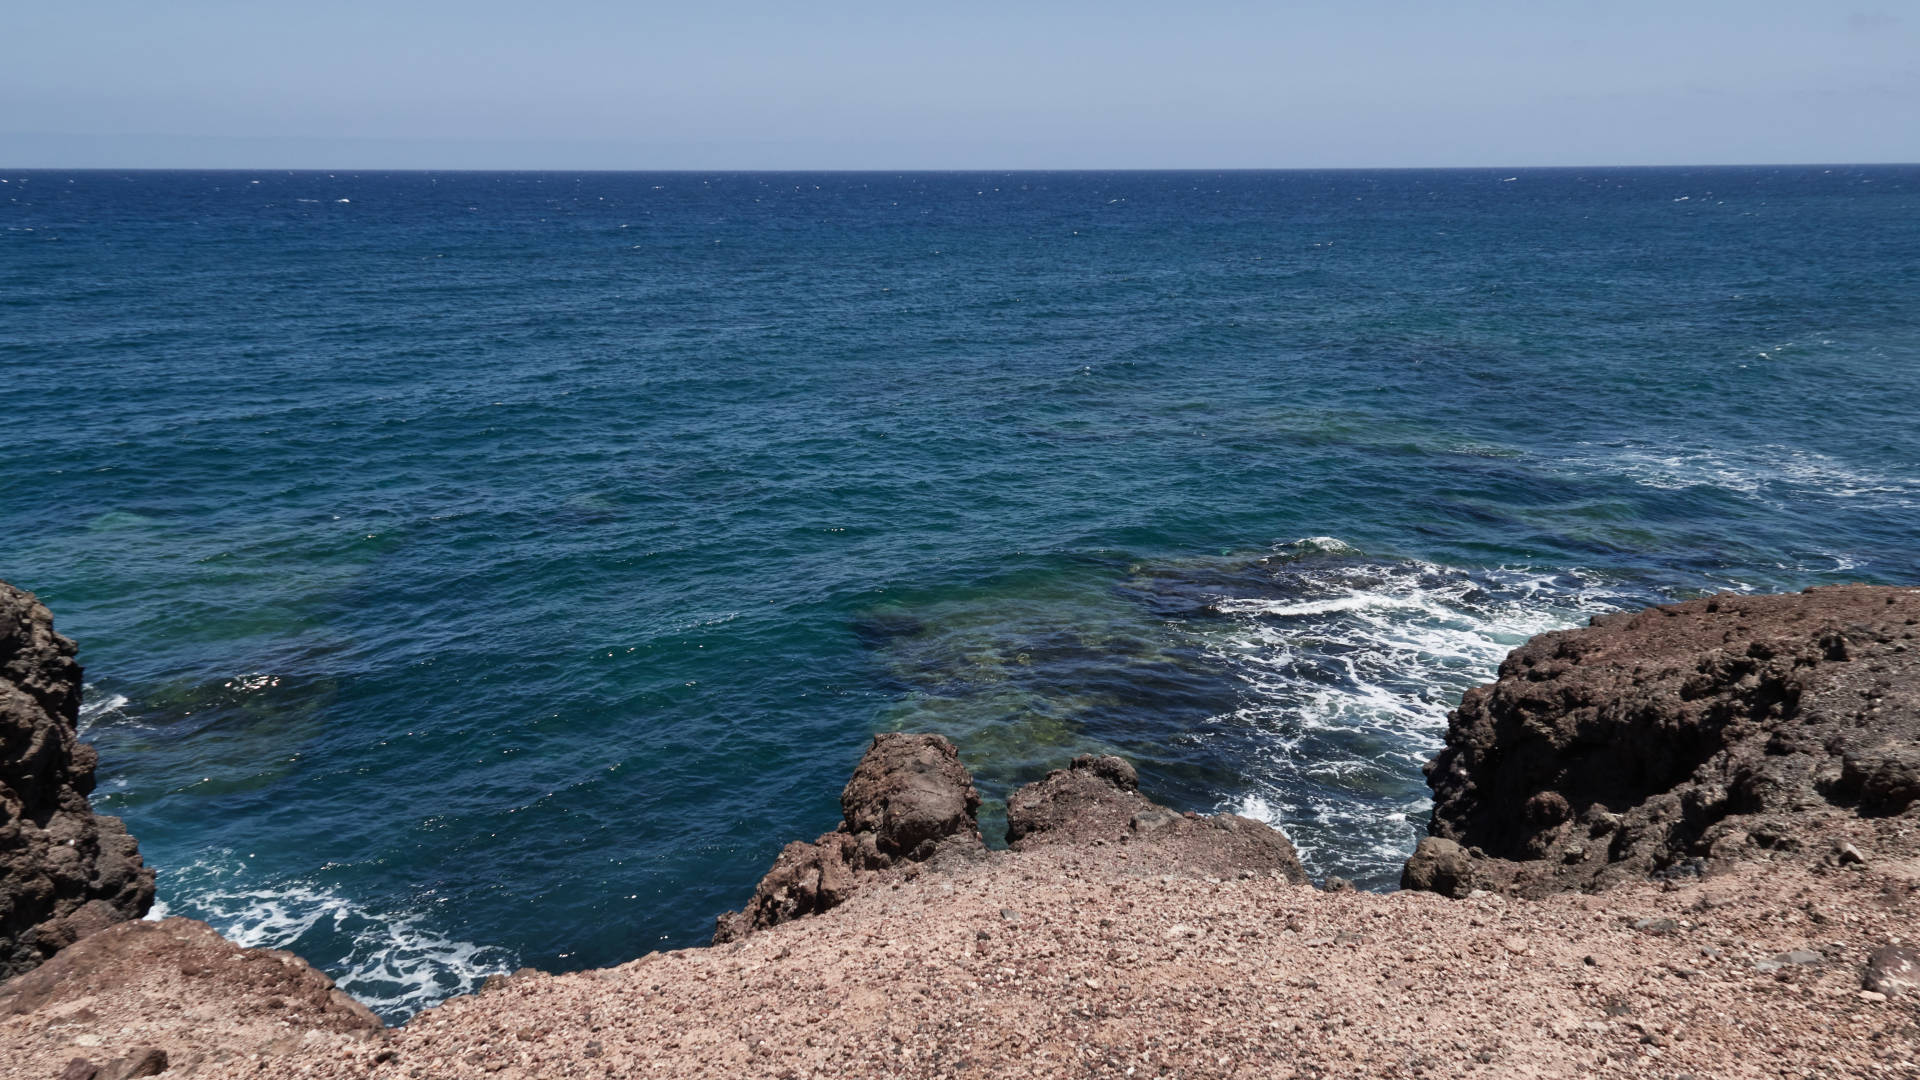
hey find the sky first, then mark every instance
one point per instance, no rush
(985, 84)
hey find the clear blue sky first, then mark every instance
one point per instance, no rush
(984, 84)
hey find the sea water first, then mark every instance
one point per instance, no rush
(482, 570)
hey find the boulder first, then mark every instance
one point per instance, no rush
(910, 790)
(1438, 865)
(65, 872)
(1666, 741)
(909, 801)
(1892, 970)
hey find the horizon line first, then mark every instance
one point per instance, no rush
(954, 169)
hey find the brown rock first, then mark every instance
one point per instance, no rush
(910, 800)
(1892, 970)
(120, 957)
(146, 1061)
(910, 790)
(1097, 799)
(65, 872)
(1440, 866)
(1663, 741)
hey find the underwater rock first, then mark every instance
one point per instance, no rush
(1667, 741)
(65, 872)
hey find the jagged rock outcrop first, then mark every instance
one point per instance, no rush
(1097, 800)
(911, 805)
(1667, 740)
(910, 800)
(65, 872)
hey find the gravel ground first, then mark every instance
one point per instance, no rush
(1072, 961)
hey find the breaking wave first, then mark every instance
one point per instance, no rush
(394, 962)
(1348, 666)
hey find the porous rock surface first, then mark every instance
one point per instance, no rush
(1680, 738)
(1065, 961)
(65, 872)
(909, 802)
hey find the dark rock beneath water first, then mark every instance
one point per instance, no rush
(1676, 738)
(909, 802)
(65, 872)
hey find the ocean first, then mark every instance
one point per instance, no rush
(478, 570)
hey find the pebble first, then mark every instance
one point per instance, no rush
(1780, 960)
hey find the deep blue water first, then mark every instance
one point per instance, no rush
(475, 570)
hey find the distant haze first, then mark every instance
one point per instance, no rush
(751, 84)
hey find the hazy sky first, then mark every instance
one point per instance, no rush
(983, 84)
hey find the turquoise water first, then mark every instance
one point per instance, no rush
(477, 570)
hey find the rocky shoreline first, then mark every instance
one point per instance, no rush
(1684, 841)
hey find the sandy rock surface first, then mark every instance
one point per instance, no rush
(176, 995)
(1068, 962)
(65, 872)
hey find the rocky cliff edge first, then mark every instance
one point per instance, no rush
(1677, 843)
(65, 872)
(1670, 742)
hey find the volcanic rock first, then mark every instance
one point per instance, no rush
(910, 800)
(1097, 799)
(1892, 970)
(1438, 865)
(65, 872)
(1684, 737)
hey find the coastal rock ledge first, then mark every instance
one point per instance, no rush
(65, 872)
(1667, 742)
(911, 807)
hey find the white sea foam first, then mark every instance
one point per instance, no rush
(1350, 665)
(1764, 473)
(393, 961)
(99, 708)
